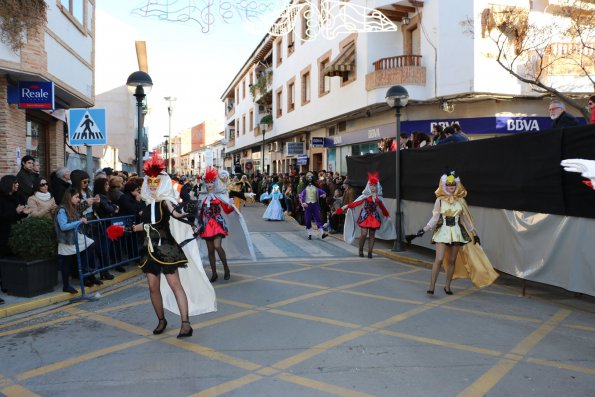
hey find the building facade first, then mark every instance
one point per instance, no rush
(326, 97)
(60, 51)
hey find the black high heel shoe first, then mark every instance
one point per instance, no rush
(159, 330)
(430, 292)
(214, 278)
(448, 292)
(370, 255)
(226, 275)
(187, 333)
(361, 254)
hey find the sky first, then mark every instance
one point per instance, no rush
(185, 63)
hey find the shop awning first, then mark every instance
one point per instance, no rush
(345, 62)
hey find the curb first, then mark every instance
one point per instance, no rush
(22, 307)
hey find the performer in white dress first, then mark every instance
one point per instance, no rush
(274, 211)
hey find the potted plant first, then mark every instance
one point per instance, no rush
(34, 270)
(266, 119)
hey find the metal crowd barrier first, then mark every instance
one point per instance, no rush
(105, 254)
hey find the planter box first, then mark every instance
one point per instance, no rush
(28, 278)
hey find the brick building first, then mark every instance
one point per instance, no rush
(60, 51)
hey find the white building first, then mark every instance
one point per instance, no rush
(329, 94)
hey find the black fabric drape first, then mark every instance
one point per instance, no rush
(517, 172)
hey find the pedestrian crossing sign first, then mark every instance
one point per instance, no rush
(87, 127)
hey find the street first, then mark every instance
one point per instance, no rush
(308, 318)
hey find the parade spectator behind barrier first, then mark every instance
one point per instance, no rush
(337, 221)
(105, 208)
(437, 134)
(404, 142)
(42, 203)
(185, 190)
(459, 130)
(591, 105)
(12, 209)
(561, 119)
(348, 192)
(36, 170)
(420, 139)
(131, 202)
(123, 175)
(109, 172)
(80, 181)
(59, 182)
(451, 136)
(67, 219)
(26, 176)
(116, 183)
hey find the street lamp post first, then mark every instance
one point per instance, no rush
(170, 110)
(140, 84)
(263, 129)
(397, 97)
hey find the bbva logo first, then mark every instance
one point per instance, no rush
(522, 125)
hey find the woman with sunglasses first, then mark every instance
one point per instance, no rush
(453, 230)
(42, 202)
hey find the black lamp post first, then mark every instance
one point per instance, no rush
(397, 97)
(263, 129)
(140, 84)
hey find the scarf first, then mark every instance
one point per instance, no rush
(43, 196)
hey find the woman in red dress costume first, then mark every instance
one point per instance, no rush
(373, 218)
(212, 224)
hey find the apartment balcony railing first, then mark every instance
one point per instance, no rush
(401, 69)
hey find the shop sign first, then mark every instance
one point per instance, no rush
(36, 95)
(295, 148)
(302, 159)
(317, 141)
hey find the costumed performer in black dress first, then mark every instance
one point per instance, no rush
(167, 232)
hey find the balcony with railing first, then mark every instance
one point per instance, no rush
(401, 69)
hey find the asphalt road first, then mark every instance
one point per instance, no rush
(308, 318)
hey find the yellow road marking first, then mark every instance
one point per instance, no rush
(324, 387)
(494, 315)
(300, 298)
(223, 319)
(318, 349)
(297, 283)
(556, 364)
(113, 322)
(382, 297)
(317, 319)
(213, 354)
(80, 359)
(4, 381)
(39, 325)
(489, 379)
(579, 327)
(228, 386)
(440, 342)
(124, 306)
(18, 391)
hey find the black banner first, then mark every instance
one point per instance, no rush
(516, 172)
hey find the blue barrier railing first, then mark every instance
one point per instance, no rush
(99, 253)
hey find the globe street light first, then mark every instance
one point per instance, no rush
(140, 84)
(170, 110)
(397, 97)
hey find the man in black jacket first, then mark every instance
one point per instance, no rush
(26, 177)
(558, 114)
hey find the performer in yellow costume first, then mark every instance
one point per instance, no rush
(453, 230)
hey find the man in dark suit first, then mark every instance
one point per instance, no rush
(561, 119)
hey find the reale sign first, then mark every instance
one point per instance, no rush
(36, 95)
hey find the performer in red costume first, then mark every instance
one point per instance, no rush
(373, 218)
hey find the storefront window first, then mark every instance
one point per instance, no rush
(364, 148)
(36, 142)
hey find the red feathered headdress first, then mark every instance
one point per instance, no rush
(210, 174)
(154, 166)
(373, 178)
